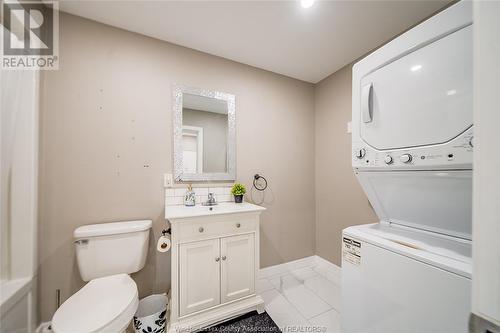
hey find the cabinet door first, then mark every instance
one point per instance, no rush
(199, 275)
(238, 267)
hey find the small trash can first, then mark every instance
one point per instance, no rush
(151, 314)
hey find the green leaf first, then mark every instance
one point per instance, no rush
(238, 189)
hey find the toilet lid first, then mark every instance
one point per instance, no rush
(97, 304)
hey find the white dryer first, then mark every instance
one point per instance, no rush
(412, 145)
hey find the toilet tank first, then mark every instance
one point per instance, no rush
(111, 248)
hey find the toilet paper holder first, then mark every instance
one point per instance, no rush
(164, 233)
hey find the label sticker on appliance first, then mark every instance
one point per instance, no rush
(351, 251)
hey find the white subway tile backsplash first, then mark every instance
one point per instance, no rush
(225, 198)
(216, 190)
(202, 191)
(171, 201)
(180, 192)
(200, 199)
(175, 196)
(220, 190)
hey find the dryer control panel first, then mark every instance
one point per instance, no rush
(456, 154)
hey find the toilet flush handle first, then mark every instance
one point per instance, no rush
(82, 241)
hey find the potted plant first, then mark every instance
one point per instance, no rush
(238, 190)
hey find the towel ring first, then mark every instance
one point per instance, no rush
(259, 182)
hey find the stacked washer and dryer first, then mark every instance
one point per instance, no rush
(412, 146)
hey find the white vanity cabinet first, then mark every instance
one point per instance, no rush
(237, 267)
(215, 262)
(199, 276)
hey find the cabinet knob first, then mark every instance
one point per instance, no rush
(201, 229)
(217, 259)
(223, 257)
(238, 225)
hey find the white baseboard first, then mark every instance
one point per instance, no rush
(322, 266)
(287, 267)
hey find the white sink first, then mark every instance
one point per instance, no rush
(181, 211)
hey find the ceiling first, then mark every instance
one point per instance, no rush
(278, 36)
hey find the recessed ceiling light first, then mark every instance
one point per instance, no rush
(416, 68)
(306, 3)
(451, 92)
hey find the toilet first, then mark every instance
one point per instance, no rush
(106, 253)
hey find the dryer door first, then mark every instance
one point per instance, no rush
(422, 98)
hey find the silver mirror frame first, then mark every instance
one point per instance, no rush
(230, 175)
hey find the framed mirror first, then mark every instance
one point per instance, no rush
(204, 135)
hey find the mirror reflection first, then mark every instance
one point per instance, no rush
(204, 134)
(204, 129)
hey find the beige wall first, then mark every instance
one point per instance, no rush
(106, 142)
(340, 201)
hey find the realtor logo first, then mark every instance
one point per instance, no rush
(30, 36)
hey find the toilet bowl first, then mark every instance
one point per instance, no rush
(103, 305)
(106, 253)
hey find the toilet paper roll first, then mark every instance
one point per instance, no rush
(164, 244)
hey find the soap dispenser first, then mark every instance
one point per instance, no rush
(190, 197)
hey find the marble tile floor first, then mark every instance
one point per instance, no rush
(302, 300)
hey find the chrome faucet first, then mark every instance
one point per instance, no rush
(212, 201)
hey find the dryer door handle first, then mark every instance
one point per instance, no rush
(366, 102)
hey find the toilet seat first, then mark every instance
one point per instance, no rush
(103, 305)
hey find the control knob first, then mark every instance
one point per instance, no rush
(361, 153)
(388, 159)
(405, 158)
